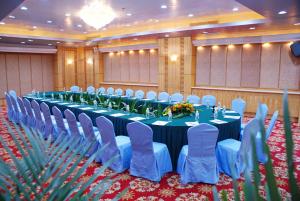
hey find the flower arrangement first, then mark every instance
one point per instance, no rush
(180, 110)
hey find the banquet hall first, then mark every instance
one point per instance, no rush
(149, 100)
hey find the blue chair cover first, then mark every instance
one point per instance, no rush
(119, 92)
(177, 97)
(197, 161)
(139, 94)
(49, 124)
(129, 93)
(39, 122)
(23, 114)
(61, 127)
(90, 90)
(73, 126)
(193, 99)
(116, 146)
(110, 91)
(262, 112)
(75, 89)
(30, 117)
(163, 96)
(90, 135)
(239, 106)
(10, 110)
(150, 160)
(237, 154)
(13, 94)
(209, 99)
(262, 157)
(17, 113)
(101, 90)
(151, 95)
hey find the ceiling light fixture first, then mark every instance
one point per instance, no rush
(23, 42)
(0, 38)
(167, 35)
(34, 27)
(49, 44)
(252, 28)
(135, 39)
(297, 24)
(2, 23)
(57, 42)
(24, 8)
(235, 9)
(97, 14)
(30, 40)
(12, 17)
(128, 14)
(79, 25)
(68, 14)
(205, 32)
(49, 21)
(163, 6)
(61, 30)
(282, 12)
(191, 15)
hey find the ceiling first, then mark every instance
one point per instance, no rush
(45, 21)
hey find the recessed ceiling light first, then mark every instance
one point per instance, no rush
(252, 28)
(49, 21)
(2, 23)
(156, 20)
(282, 12)
(57, 42)
(68, 14)
(12, 17)
(191, 15)
(30, 40)
(127, 25)
(297, 24)
(61, 30)
(24, 8)
(85, 32)
(79, 25)
(104, 29)
(235, 9)
(135, 39)
(0, 38)
(167, 35)
(23, 42)
(49, 44)
(128, 14)
(163, 6)
(205, 32)
(34, 27)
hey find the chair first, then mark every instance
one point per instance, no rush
(262, 157)
(73, 126)
(119, 92)
(61, 127)
(13, 94)
(163, 96)
(90, 90)
(17, 113)
(139, 94)
(193, 99)
(90, 135)
(23, 114)
(30, 118)
(129, 93)
(238, 105)
(150, 160)
(177, 97)
(116, 146)
(10, 110)
(39, 122)
(49, 125)
(209, 99)
(197, 161)
(110, 91)
(101, 90)
(236, 154)
(151, 95)
(75, 89)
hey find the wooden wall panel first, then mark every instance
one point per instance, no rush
(70, 69)
(37, 72)
(107, 69)
(289, 69)
(234, 66)
(12, 72)
(3, 80)
(251, 66)
(144, 65)
(80, 71)
(203, 66)
(25, 73)
(153, 66)
(270, 63)
(48, 73)
(134, 66)
(89, 68)
(125, 68)
(218, 65)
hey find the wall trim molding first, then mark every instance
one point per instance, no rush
(248, 90)
(28, 50)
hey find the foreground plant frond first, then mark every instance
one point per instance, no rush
(48, 170)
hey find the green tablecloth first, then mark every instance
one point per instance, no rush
(173, 134)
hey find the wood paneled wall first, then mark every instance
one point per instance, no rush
(268, 66)
(131, 66)
(24, 72)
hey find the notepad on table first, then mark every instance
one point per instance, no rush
(192, 123)
(63, 103)
(100, 111)
(162, 101)
(86, 108)
(230, 111)
(73, 105)
(137, 118)
(146, 99)
(231, 117)
(160, 123)
(196, 105)
(218, 121)
(117, 115)
(53, 101)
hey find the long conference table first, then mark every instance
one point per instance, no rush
(172, 133)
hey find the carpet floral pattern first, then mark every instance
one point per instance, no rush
(169, 188)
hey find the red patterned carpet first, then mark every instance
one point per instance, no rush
(170, 189)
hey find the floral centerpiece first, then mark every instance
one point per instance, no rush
(179, 110)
